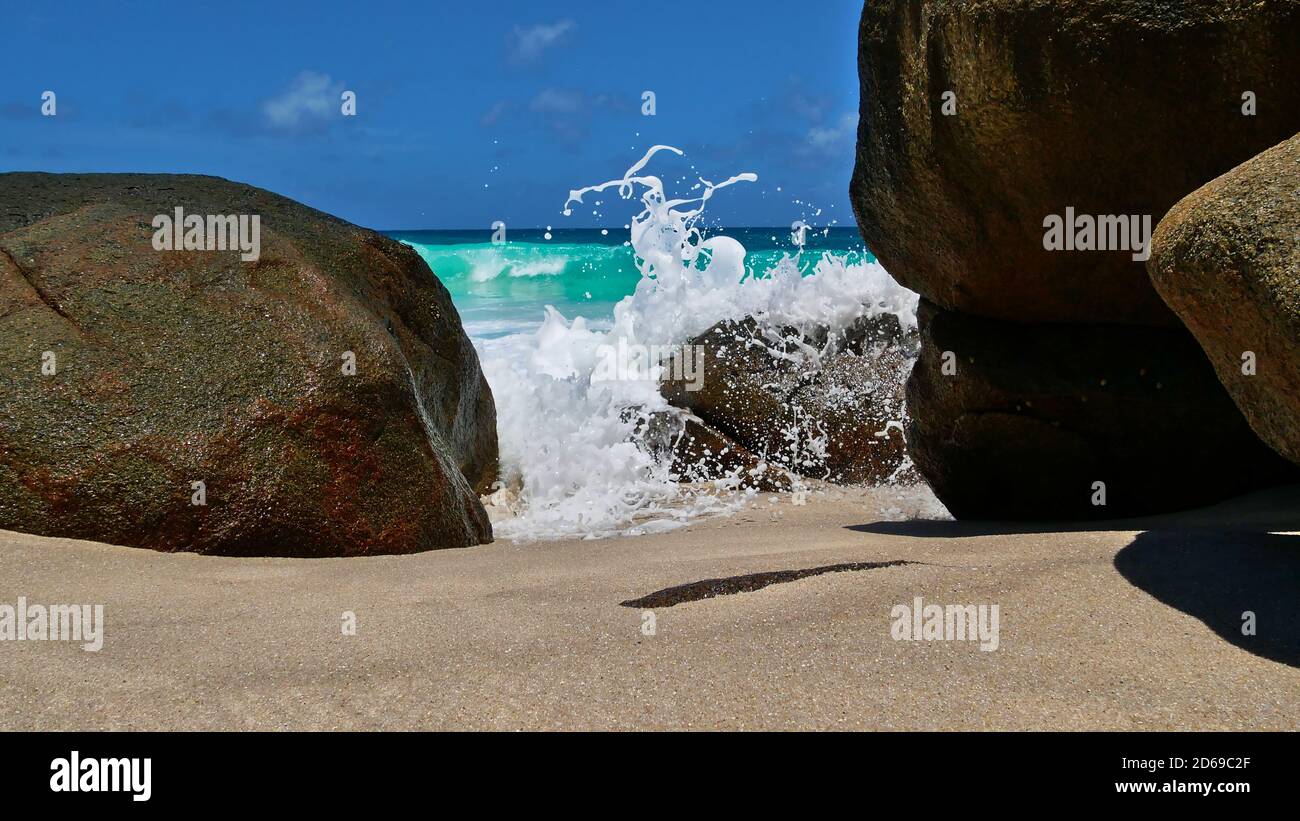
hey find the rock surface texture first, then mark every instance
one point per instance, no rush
(1030, 417)
(817, 405)
(980, 122)
(131, 375)
(1110, 107)
(1227, 260)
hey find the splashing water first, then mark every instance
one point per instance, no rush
(572, 456)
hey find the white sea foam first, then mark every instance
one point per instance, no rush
(488, 265)
(571, 461)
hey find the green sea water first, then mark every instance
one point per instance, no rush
(502, 289)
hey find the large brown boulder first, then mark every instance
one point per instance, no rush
(825, 415)
(1227, 260)
(1027, 417)
(1111, 107)
(176, 367)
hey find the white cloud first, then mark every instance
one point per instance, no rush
(528, 44)
(832, 137)
(309, 101)
(557, 101)
(494, 114)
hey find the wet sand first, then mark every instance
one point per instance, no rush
(1128, 625)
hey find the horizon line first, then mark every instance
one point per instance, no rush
(555, 230)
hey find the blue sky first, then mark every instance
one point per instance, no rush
(467, 112)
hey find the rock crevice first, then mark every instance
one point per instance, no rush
(980, 120)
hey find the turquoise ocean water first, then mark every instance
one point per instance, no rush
(502, 289)
(557, 318)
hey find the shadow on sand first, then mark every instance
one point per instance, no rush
(1219, 578)
(1216, 564)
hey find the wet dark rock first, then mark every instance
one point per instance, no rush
(818, 404)
(699, 453)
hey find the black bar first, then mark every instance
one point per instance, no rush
(208, 770)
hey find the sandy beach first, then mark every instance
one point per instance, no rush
(1133, 625)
